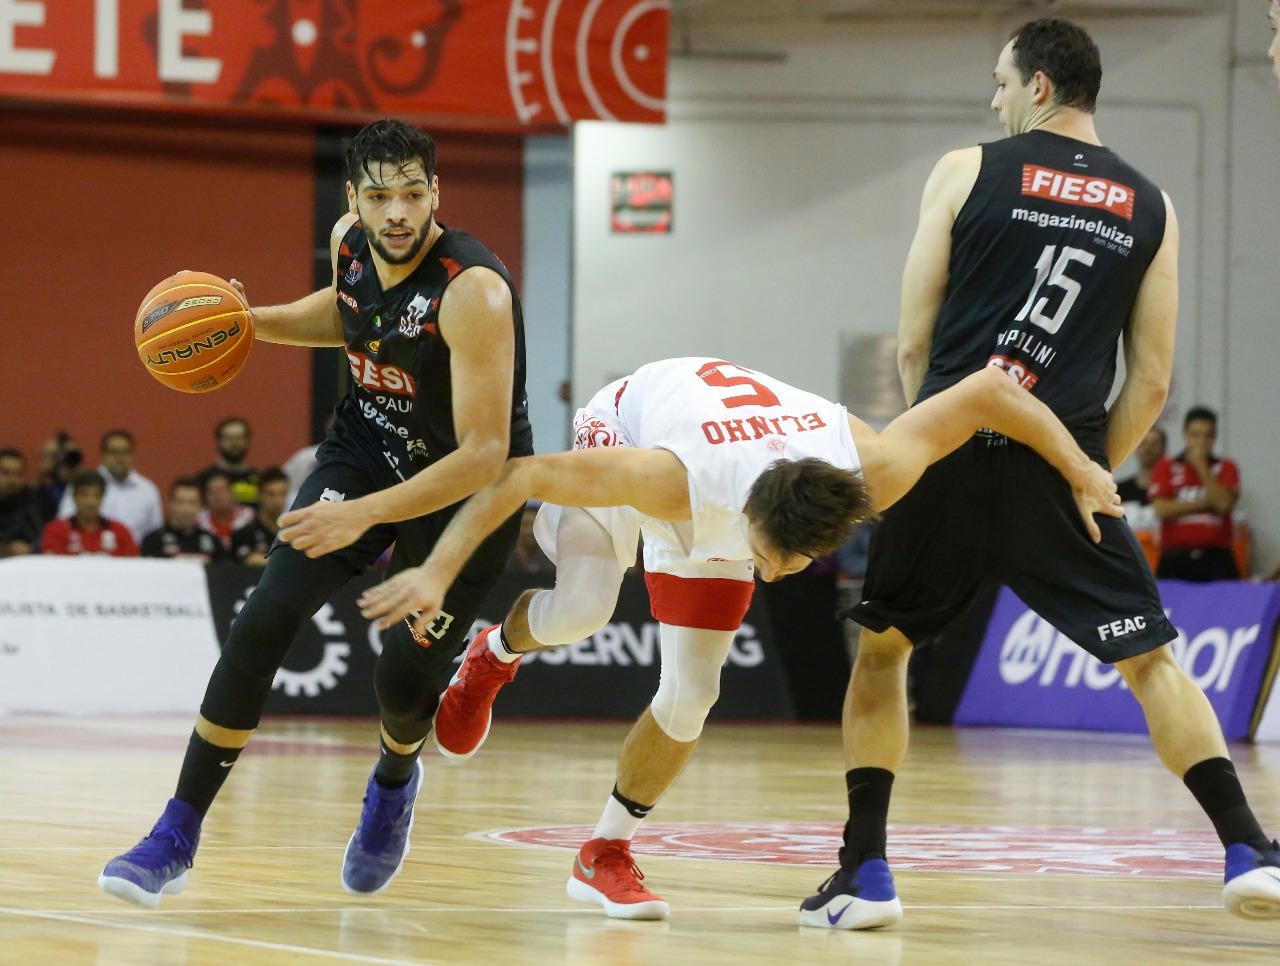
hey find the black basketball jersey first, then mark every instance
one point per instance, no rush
(1047, 256)
(399, 408)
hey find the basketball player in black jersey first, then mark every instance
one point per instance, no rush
(433, 332)
(1034, 254)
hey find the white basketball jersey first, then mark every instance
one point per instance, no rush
(726, 424)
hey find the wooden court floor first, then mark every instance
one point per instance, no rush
(1009, 847)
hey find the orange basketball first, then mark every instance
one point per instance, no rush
(193, 332)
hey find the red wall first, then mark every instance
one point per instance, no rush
(101, 210)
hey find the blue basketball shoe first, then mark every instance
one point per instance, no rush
(158, 864)
(380, 842)
(1251, 888)
(863, 899)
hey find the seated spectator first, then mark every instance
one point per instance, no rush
(527, 557)
(60, 459)
(20, 522)
(180, 537)
(131, 498)
(251, 542)
(222, 514)
(87, 531)
(233, 437)
(1150, 452)
(1193, 494)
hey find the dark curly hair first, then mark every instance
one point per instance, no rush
(807, 506)
(388, 142)
(1067, 55)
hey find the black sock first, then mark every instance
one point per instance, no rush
(502, 642)
(864, 833)
(204, 769)
(394, 769)
(635, 809)
(1217, 788)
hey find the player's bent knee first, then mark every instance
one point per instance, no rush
(681, 713)
(555, 621)
(1137, 670)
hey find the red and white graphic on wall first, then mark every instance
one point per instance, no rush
(508, 62)
(641, 202)
(1000, 849)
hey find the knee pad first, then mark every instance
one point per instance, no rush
(407, 682)
(234, 697)
(690, 679)
(588, 577)
(557, 617)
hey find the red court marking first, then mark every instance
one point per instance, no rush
(1161, 853)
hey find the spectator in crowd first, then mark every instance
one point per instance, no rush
(87, 531)
(1149, 452)
(180, 536)
(130, 498)
(222, 514)
(251, 542)
(528, 558)
(20, 522)
(60, 459)
(1193, 494)
(233, 439)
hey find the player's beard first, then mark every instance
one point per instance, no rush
(410, 253)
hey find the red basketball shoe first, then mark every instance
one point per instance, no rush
(466, 707)
(605, 873)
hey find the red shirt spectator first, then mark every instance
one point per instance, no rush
(88, 531)
(1174, 479)
(68, 538)
(1193, 494)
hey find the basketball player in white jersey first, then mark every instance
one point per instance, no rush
(727, 472)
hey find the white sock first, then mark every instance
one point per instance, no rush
(616, 822)
(499, 650)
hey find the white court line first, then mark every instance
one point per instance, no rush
(193, 934)
(71, 914)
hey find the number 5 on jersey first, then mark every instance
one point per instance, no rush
(1054, 273)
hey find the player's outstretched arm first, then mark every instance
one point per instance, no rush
(1148, 349)
(651, 480)
(895, 459)
(312, 320)
(927, 271)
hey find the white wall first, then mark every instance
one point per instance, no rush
(797, 186)
(545, 297)
(1252, 319)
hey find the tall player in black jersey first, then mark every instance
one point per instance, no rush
(433, 331)
(1035, 254)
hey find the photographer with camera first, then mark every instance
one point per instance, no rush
(60, 460)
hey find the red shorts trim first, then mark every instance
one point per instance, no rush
(708, 603)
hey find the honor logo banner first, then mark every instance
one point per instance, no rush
(1028, 674)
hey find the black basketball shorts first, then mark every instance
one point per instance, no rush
(343, 474)
(994, 512)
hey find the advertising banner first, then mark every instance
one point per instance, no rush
(1030, 675)
(612, 674)
(104, 635)
(499, 63)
